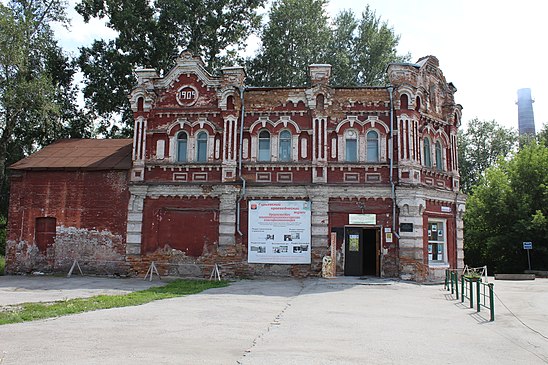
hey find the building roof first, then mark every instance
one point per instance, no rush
(87, 154)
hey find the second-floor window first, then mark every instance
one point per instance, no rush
(427, 153)
(285, 146)
(182, 145)
(264, 146)
(439, 159)
(351, 143)
(201, 147)
(372, 146)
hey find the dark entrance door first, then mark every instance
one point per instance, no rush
(353, 251)
(362, 249)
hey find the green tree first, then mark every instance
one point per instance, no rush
(296, 35)
(34, 80)
(37, 98)
(151, 34)
(542, 135)
(359, 49)
(509, 205)
(480, 146)
(362, 49)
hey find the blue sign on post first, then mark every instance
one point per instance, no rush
(527, 245)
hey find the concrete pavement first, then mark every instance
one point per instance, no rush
(288, 321)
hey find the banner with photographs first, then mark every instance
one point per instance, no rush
(279, 232)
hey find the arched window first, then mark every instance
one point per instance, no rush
(320, 101)
(372, 146)
(182, 144)
(439, 161)
(418, 103)
(230, 102)
(285, 146)
(404, 101)
(201, 147)
(351, 143)
(264, 146)
(427, 153)
(140, 104)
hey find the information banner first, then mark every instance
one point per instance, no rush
(279, 232)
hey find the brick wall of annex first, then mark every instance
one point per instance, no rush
(90, 211)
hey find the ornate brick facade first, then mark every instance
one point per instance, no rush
(377, 161)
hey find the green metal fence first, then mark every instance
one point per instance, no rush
(452, 281)
(483, 294)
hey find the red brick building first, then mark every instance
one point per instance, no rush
(69, 201)
(376, 166)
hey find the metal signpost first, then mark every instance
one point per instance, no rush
(528, 246)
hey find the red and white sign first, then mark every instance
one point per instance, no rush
(279, 232)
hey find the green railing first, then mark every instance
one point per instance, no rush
(484, 294)
(452, 281)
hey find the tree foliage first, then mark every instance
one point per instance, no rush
(359, 49)
(509, 205)
(480, 146)
(295, 36)
(37, 99)
(151, 34)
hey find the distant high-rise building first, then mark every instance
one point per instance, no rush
(526, 117)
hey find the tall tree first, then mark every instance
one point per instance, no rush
(151, 34)
(509, 205)
(36, 96)
(480, 145)
(296, 35)
(341, 52)
(359, 49)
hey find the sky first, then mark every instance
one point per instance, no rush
(488, 49)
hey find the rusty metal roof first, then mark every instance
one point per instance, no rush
(88, 154)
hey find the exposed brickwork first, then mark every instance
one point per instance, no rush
(90, 209)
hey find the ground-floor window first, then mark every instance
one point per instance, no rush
(436, 241)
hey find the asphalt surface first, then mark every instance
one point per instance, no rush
(281, 321)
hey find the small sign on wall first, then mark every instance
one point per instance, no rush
(406, 227)
(362, 219)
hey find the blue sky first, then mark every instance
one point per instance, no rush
(488, 49)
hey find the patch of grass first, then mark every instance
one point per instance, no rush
(2, 264)
(33, 311)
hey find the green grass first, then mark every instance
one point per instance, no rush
(33, 311)
(2, 265)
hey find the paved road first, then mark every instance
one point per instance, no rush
(288, 321)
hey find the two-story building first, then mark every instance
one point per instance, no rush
(262, 181)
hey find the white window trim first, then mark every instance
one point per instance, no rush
(444, 262)
(379, 156)
(279, 141)
(343, 150)
(194, 146)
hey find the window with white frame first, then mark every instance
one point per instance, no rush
(285, 146)
(372, 146)
(182, 145)
(351, 145)
(427, 153)
(264, 146)
(201, 147)
(437, 241)
(439, 158)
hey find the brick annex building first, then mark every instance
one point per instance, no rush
(195, 187)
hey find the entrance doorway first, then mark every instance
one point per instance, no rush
(361, 251)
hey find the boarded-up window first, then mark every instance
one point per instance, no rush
(44, 232)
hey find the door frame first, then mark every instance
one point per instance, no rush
(378, 248)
